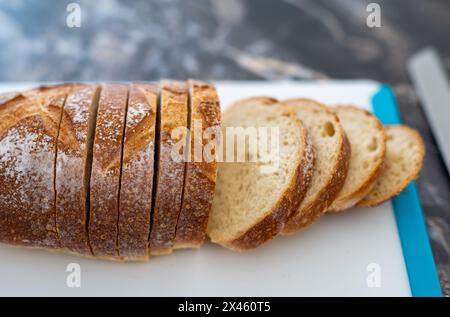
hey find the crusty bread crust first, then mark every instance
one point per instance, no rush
(84, 255)
(344, 203)
(170, 178)
(71, 213)
(200, 177)
(8, 96)
(28, 133)
(313, 211)
(137, 172)
(415, 135)
(105, 176)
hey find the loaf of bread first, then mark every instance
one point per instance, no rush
(128, 171)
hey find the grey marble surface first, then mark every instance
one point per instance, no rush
(237, 40)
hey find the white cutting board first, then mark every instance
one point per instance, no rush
(334, 257)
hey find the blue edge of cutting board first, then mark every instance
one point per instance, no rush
(422, 273)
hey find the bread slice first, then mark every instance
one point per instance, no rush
(170, 172)
(201, 171)
(28, 133)
(137, 173)
(332, 154)
(368, 143)
(251, 205)
(74, 149)
(106, 168)
(405, 152)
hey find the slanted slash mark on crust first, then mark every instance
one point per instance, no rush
(120, 170)
(187, 156)
(54, 168)
(156, 160)
(93, 111)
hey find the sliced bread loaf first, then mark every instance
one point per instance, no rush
(368, 142)
(332, 154)
(405, 152)
(252, 205)
(170, 172)
(137, 172)
(201, 169)
(106, 168)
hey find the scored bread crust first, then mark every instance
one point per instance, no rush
(170, 178)
(351, 199)
(8, 96)
(274, 221)
(28, 132)
(105, 176)
(310, 213)
(200, 176)
(71, 213)
(137, 173)
(368, 201)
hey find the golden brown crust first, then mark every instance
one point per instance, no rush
(415, 173)
(85, 255)
(316, 210)
(170, 178)
(309, 214)
(70, 206)
(6, 97)
(271, 225)
(105, 177)
(200, 178)
(28, 132)
(353, 198)
(137, 173)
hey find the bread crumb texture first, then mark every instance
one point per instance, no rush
(368, 142)
(405, 152)
(247, 200)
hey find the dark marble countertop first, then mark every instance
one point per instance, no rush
(238, 40)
